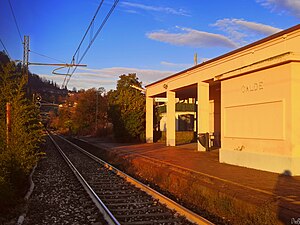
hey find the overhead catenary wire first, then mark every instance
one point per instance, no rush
(92, 39)
(15, 20)
(89, 27)
(65, 79)
(5, 49)
(98, 31)
(58, 60)
(78, 48)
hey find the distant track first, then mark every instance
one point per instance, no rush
(121, 198)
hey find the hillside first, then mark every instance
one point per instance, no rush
(48, 90)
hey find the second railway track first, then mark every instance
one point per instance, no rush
(121, 198)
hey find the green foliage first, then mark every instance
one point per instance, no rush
(127, 110)
(179, 107)
(182, 137)
(186, 107)
(18, 153)
(125, 107)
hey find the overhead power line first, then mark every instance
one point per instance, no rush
(12, 11)
(5, 50)
(89, 27)
(98, 31)
(92, 39)
(26, 63)
(46, 56)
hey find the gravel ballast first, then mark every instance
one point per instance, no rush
(58, 197)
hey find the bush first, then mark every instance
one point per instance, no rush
(18, 152)
(182, 137)
(127, 110)
(185, 137)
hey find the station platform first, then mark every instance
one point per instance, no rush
(279, 191)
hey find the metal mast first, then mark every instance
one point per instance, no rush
(26, 57)
(26, 63)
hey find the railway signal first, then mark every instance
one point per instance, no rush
(38, 99)
(38, 104)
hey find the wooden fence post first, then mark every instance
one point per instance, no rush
(8, 122)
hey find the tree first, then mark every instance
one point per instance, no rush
(18, 152)
(84, 114)
(85, 111)
(78, 114)
(127, 109)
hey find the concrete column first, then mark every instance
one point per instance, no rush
(149, 120)
(203, 110)
(171, 128)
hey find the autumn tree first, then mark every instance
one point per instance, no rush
(64, 123)
(86, 109)
(78, 115)
(127, 109)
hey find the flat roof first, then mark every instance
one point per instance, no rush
(291, 29)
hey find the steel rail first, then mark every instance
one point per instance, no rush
(191, 216)
(108, 216)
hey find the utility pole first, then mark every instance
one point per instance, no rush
(26, 57)
(195, 59)
(96, 117)
(8, 122)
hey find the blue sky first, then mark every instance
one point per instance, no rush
(151, 38)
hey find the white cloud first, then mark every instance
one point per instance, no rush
(240, 24)
(176, 65)
(289, 6)
(242, 31)
(88, 78)
(132, 11)
(193, 38)
(167, 10)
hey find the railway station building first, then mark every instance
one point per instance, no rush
(247, 99)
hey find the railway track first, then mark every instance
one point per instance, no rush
(120, 198)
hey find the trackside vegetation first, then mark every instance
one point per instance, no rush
(127, 109)
(118, 115)
(18, 149)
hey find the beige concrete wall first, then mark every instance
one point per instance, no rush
(256, 111)
(295, 116)
(171, 119)
(295, 123)
(149, 119)
(260, 109)
(203, 110)
(258, 129)
(215, 107)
